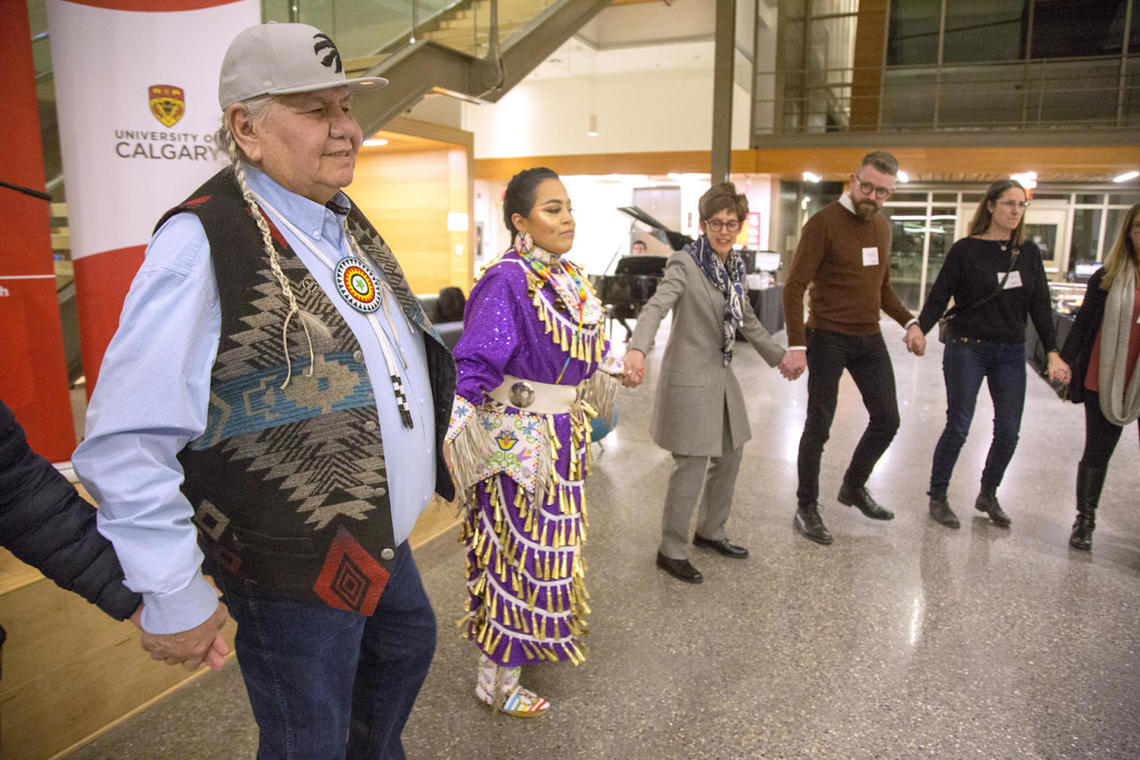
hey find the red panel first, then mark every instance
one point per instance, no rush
(163, 6)
(101, 285)
(34, 380)
(351, 578)
(34, 377)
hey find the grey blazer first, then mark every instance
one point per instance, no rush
(695, 387)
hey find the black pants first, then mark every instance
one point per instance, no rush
(1101, 436)
(866, 358)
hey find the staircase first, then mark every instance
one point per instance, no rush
(453, 53)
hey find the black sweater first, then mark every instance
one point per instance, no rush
(46, 523)
(972, 270)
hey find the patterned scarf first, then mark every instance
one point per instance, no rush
(728, 278)
(1119, 404)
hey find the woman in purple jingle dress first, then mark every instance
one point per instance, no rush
(528, 384)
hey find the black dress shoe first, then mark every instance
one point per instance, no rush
(724, 546)
(810, 524)
(860, 497)
(941, 512)
(988, 503)
(679, 569)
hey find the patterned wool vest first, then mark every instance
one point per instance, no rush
(288, 486)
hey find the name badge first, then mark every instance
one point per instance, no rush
(871, 257)
(1013, 281)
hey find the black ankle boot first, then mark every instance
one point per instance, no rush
(1090, 481)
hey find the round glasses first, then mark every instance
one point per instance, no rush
(716, 225)
(882, 193)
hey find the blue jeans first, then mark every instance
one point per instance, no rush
(965, 363)
(867, 359)
(326, 683)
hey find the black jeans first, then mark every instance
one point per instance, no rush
(866, 358)
(1101, 436)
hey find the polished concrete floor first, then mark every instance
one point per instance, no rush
(901, 640)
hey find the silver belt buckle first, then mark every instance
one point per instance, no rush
(521, 394)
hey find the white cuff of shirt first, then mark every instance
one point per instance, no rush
(908, 324)
(797, 348)
(179, 610)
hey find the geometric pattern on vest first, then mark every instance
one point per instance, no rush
(288, 486)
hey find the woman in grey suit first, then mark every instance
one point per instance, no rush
(699, 414)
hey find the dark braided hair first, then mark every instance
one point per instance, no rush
(519, 196)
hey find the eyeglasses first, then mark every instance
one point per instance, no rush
(882, 193)
(716, 225)
(1014, 204)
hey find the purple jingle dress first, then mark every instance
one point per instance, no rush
(525, 519)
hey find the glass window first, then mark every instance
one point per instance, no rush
(1086, 237)
(945, 197)
(972, 197)
(1068, 30)
(1093, 199)
(985, 30)
(901, 197)
(913, 34)
(1124, 200)
(941, 228)
(908, 232)
(1112, 229)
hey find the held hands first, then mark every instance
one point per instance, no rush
(201, 644)
(915, 341)
(793, 364)
(1057, 370)
(634, 374)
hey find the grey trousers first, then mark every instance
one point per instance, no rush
(717, 476)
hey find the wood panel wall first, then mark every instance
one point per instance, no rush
(408, 194)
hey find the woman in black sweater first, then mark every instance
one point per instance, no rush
(1103, 347)
(997, 279)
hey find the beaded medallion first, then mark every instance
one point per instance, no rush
(357, 285)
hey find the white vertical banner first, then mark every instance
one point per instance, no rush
(136, 85)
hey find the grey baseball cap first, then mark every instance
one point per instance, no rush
(281, 59)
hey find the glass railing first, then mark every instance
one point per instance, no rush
(367, 31)
(1075, 93)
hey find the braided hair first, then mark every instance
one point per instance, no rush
(224, 138)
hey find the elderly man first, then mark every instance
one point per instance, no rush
(844, 255)
(272, 360)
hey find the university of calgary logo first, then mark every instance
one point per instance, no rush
(167, 103)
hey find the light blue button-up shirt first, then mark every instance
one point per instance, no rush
(153, 391)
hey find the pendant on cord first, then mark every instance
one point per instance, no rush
(357, 284)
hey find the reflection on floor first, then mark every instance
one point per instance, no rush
(901, 640)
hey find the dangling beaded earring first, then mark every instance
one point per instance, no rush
(524, 243)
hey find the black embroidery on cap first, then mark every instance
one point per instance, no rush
(324, 42)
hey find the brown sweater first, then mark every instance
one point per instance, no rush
(845, 295)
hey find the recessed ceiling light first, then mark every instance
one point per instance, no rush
(903, 176)
(374, 142)
(811, 177)
(1126, 176)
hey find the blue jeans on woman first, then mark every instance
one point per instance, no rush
(327, 684)
(965, 363)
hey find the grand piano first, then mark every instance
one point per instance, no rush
(635, 278)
